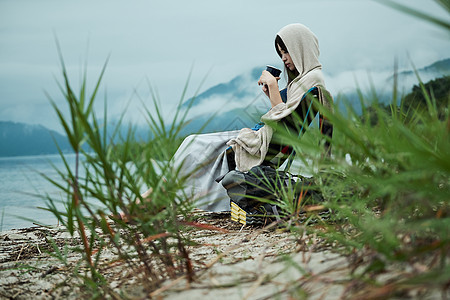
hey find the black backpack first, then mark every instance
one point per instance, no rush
(255, 195)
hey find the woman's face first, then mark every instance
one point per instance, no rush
(286, 58)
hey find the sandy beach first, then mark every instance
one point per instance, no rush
(235, 263)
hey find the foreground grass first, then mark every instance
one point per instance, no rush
(108, 179)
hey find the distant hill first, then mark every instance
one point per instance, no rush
(405, 82)
(240, 103)
(236, 88)
(439, 68)
(18, 139)
(228, 106)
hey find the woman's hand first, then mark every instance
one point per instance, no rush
(267, 80)
(270, 87)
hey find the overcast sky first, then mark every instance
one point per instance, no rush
(160, 41)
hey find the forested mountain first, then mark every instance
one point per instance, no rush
(18, 139)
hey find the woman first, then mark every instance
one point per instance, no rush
(298, 48)
(202, 159)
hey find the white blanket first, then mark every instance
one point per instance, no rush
(202, 158)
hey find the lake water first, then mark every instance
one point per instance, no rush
(20, 182)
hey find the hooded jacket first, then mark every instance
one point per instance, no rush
(250, 147)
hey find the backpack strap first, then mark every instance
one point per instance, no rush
(291, 156)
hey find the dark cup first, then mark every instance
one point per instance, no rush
(274, 71)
